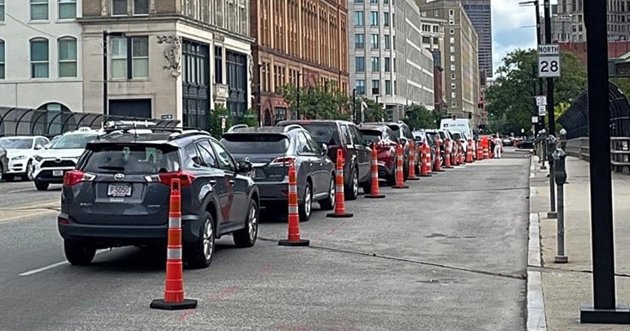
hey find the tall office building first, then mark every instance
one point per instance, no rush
(480, 14)
(570, 21)
(388, 62)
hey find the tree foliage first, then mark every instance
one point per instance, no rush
(511, 99)
(418, 117)
(219, 112)
(317, 102)
(375, 112)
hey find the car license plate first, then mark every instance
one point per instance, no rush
(57, 173)
(119, 190)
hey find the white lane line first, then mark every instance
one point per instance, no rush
(22, 190)
(52, 266)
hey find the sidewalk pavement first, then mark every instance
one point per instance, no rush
(567, 286)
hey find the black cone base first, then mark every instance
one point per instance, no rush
(161, 304)
(301, 242)
(344, 215)
(413, 178)
(400, 187)
(427, 175)
(378, 196)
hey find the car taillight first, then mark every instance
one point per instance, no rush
(166, 178)
(283, 160)
(75, 177)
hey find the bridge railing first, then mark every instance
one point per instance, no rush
(619, 152)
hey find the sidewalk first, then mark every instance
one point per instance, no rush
(566, 286)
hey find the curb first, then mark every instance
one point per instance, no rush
(536, 319)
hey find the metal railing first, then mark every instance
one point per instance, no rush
(619, 152)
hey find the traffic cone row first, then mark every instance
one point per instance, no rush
(293, 236)
(427, 152)
(447, 154)
(469, 152)
(340, 202)
(374, 189)
(400, 180)
(479, 151)
(413, 154)
(437, 165)
(174, 286)
(424, 169)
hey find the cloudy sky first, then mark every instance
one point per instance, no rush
(513, 27)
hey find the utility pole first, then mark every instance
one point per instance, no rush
(541, 119)
(605, 308)
(105, 102)
(552, 123)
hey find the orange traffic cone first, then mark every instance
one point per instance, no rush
(486, 152)
(427, 153)
(437, 165)
(374, 189)
(174, 287)
(469, 152)
(479, 151)
(340, 200)
(447, 154)
(413, 154)
(400, 179)
(293, 237)
(424, 171)
(460, 153)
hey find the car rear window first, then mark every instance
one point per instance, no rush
(16, 143)
(74, 141)
(371, 136)
(323, 134)
(131, 159)
(255, 143)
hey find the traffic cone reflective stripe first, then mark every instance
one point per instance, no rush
(427, 154)
(174, 284)
(340, 204)
(400, 180)
(413, 153)
(447, 154)
(479, 151)
(469, 152)
(437, 165)
(293, 236)
(374, 189)
(424, 171)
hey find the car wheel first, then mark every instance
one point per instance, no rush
(246, 237)
(1, 172)
(329, 202)
(78, 253)
(306, 207)
(353, 191)
(29, 171)
(41, 186)
(367, 186)
(201, 252)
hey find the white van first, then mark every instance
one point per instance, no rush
(461, 125)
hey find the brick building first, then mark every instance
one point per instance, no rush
(297, 42)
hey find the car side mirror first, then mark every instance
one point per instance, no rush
(245, 167)
(38, 147)
(324, 149)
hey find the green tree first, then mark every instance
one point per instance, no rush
(418, 117)
(623, 83)
(317, 102)
(374, 112)
(218, 113)
(510, 99)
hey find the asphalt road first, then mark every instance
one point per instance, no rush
(447, 254)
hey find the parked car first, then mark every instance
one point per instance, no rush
(446, 134)
(507, 141)
(421, 137)
(342, 135)
(403, 133)
(4, 162)
(271, 150)
(385, 141)
(21, 151)
(51, 164)
(119, 193)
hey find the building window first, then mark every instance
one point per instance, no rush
(376, 64)
(386, 2)
(373, 1)
(426, 40)
(39, 10)
(394, 20)
(453, 95)
(359, 62)
(374, 41)
(358, 18)
(452, 58)
(388, 87)
(67, 57)
(374, 18)
(386, 19)
(359, 41)
(119, 7)
(2, 59)
(436, 29)
(67, 9)
(451, 40)
(394, 65)
(140, 7)
(452, 67)
(218, 65)
(360, 86)
(452, 31)
(426, 28)
(376, 85)
(134, 48)
(451, 12)
(436, 41)
(387, 41)
(1, 10)
(358, 1)
(387, 65)
(39, 58)
(394, 42)
(452, 49)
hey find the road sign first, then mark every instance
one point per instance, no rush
(222, 122)
(548, 61)
(534, 119)
(542, 110)
(541, 100)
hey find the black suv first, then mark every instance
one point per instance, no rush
(119, 195)
(271, 150)
(343, 135)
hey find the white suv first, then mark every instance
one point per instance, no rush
(20, 153)
(51, 164)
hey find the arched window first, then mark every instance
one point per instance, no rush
(39, 58)
(1, 58)
(67, 56)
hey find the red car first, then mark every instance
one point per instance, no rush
(385, 140)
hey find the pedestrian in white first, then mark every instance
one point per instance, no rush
(498, 147)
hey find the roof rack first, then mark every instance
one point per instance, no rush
(292, 127)
(236, 127)
(187, 133)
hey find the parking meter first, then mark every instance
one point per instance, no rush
(563, 139)
(551, 146)
(559, 157)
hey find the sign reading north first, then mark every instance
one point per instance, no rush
(548, 61)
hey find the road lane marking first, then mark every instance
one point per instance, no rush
(54, 265)
(26, 215)
(40, 205)
(22, 190)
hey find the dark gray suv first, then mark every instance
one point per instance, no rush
(119, 195)
(271, 150)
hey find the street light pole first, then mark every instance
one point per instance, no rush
(605, 308)
(552, 125)
(541, 121)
